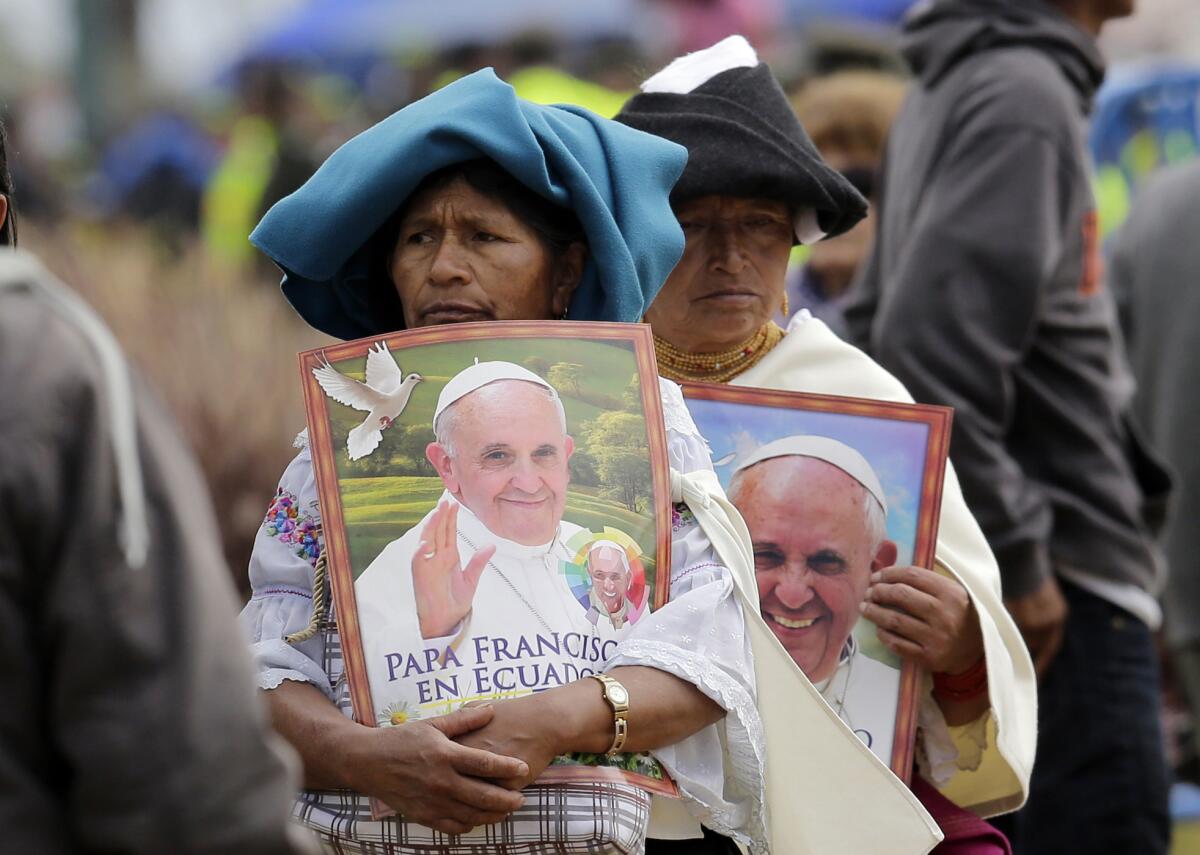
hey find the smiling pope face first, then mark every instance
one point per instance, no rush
(610, 578)
(507, 459)
(813, 554)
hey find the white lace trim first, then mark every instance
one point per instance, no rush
(745, 743)
(687, 448)
(301, 440)
(273, 678)
(676, 416)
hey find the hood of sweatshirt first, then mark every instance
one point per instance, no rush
(940, 33)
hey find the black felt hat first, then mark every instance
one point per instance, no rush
(742, 137)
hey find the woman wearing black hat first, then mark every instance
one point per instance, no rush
(754, 186)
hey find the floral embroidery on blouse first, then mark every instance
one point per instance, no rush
(287, 523)
(681, 517)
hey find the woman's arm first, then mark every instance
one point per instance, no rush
(663, 710)
(415, 768)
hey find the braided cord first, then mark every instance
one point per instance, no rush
(320, 587)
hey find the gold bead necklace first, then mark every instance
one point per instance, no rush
(676, 364)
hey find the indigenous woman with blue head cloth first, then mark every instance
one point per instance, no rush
(472, 205)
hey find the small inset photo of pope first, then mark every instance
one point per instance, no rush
(608, 578)
(496, 502)
(834, 492)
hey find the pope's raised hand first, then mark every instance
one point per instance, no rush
(444, 589)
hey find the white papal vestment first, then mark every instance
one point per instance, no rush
(864, 692)
(523, 610)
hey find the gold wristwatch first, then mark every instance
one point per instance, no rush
(617, 697)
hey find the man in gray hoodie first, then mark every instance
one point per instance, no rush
(983, 293)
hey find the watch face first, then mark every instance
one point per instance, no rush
(618, 694)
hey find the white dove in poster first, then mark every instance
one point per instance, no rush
(384, 396)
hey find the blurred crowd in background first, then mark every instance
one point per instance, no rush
(147, 139)
(107, 155)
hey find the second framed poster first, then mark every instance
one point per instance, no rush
(832, 490)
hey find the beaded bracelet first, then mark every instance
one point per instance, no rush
(966, 686)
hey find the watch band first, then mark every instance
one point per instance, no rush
(617, 697)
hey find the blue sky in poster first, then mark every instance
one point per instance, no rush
(895, 449)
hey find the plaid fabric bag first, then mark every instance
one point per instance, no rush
(560, 818)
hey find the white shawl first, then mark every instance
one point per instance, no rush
(812, 359)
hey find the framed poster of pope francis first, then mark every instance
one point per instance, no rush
(492, 498)
(833, 489)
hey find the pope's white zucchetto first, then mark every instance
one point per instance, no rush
(821, 448)
(613, 545)
(479, 375)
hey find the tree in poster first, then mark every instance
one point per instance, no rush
(401, 453)
(565, 376)
(409, 451)
(539, 365)
(617, 443)
(582, 466)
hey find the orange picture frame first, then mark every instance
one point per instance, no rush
(351, 528)
(914, 454)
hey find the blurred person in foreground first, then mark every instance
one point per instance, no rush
(847, 115)
(474, 205)
(983, 293)
(1153, 270)
(754, 185)
(129, 721)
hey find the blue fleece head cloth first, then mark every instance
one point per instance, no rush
(617, 180)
